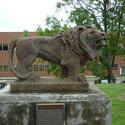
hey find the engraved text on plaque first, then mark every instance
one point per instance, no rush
(50, 114)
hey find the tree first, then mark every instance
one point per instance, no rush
(107, 16)
(25, 34)
(39, 31)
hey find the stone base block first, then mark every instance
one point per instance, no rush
(48, 85)
(90, 108)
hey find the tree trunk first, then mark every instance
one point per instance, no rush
(110, 77)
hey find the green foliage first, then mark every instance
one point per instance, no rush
(53, 26)
(80, 17)
(25, 34)
(39, 31)
(53, 68)
(97, 69)
(39, 60)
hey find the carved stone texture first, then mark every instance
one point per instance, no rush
(70, 49)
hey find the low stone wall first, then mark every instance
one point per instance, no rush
(90, 108)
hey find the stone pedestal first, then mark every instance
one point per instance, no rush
(88, 108)
(48, 85)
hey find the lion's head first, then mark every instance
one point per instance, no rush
(91, 40)
(85, 40)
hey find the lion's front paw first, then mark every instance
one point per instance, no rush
(34, 77)
(79, 78)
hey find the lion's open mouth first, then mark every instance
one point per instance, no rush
(101, 43)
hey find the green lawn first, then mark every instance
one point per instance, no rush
(116, 92)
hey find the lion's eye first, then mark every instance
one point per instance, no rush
(98, 43)
(103, 36)
(92, 31)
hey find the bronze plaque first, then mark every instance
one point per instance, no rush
(50, 114)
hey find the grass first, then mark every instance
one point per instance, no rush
(8, 79)
(116, 92)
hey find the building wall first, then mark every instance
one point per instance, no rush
(5, 38)
(38, 67)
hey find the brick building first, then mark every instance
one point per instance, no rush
(40, 68)
(5, 38)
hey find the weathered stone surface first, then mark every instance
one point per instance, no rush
(48, 85)
(90, 108)
(70, 49)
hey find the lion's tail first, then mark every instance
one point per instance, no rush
(20, 76)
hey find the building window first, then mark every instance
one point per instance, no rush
(46, 67)
(0, 47)
(3, 47)
(42, 68)
(122, 70)
(115, 67)
(36, 68)
(4, 68)
(39, 68)
(1, 68)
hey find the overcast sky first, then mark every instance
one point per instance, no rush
(20, 15)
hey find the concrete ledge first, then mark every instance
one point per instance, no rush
(90, 108)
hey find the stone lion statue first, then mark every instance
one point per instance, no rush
(69, 49)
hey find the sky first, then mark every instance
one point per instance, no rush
(20, 15)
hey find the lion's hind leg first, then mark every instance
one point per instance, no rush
(24, 64)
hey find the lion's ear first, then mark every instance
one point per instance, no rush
(81, 29)
(84, 28)
(89, 26)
